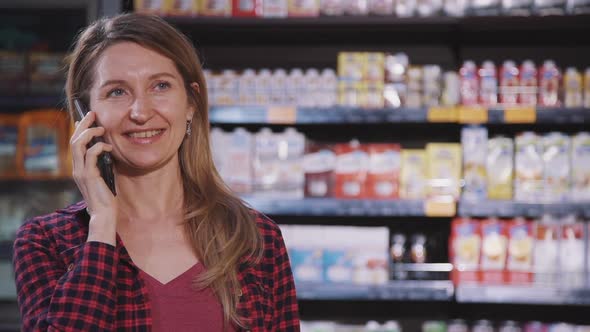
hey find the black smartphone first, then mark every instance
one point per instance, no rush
(105, 162)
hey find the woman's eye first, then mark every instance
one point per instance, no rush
(162, 85)
(116, 92)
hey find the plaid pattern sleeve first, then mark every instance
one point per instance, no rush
(285, 309)
(286, 316)
(53, 296)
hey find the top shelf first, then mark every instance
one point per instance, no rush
(557, 30)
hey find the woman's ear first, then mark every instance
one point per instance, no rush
(197, 89)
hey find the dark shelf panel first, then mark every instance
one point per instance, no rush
(372, 29)
(511, 209)
(437, 290)
(19, 103)
(522, 295)
(337, 207)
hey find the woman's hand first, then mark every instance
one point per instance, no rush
(102, 204)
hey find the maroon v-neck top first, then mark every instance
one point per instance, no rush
(177, 306)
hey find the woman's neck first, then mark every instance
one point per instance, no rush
(152, 197)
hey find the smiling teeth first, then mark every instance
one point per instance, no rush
(145, 134)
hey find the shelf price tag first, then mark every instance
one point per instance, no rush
(473, 114)
(521, 114)
(281, 114)
(442, 114)
(440, 207)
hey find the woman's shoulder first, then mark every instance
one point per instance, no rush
(61, 224)
(267, 226)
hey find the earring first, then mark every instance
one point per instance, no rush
(189, 130)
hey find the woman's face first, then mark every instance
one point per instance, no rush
(140, 99)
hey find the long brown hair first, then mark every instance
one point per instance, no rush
(221, 229)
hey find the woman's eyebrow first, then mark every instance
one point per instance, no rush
(151, 77)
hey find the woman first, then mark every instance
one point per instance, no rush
(174, 250)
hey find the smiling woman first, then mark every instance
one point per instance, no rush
(174, 250)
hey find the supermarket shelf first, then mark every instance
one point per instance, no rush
(511, 209)
(337, 207)
(18, 103)
(522, 294)
(420, 290)
(310, 115)
(366, 29)
(345, 115)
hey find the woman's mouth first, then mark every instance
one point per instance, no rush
(144, 136)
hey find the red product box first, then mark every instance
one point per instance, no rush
(493, 251)
(519, 263)
(318, 164)
(247, 8)
(464, 249)
(352, 164)
(384, 171)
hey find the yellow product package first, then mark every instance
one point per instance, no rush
(183, 7)
(160, 7)
(474, 141)
(529, 168)
(444, 169)
(413, 174)
(351, 66)
(500, 167)
(219, 8)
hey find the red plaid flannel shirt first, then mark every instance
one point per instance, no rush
(67, 284)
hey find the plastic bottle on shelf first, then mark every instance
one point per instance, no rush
(372, 326)
(381, 7)
(405, 8)
(398, 256)
(247, 87)
(275, 8)
(328, 91)
(528, 84)
(509, 83)
(587, 88)
(291, 149)
(457, 325)
(455, 8)
(313, 88)
(331, 7)
(549, 84)
(451, 95)
(391, 326)
(469, 83)
(396, 69)
(488, 84)
(239, 171)
(432, 85)
(509, 326)
(434, 326)
(266, 163)
(482, 326)
(278, 88)
(573, 88)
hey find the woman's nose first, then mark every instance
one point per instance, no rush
(141, 109)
